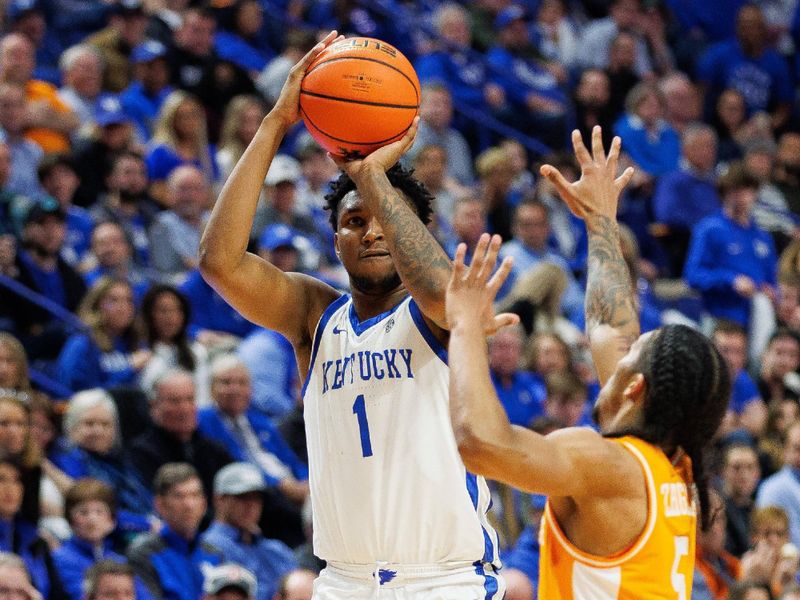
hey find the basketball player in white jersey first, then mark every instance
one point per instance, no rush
(396, 515)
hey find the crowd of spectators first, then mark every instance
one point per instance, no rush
(151, 439)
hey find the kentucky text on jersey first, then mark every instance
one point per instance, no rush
(391, 363)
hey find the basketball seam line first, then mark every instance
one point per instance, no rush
(380, 62)
(351, 101)
(354, 143)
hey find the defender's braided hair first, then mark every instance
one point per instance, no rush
(400, 178)
(688, 389)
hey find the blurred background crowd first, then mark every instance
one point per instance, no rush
(151, 439)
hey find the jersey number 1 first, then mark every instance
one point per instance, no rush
(360, 411)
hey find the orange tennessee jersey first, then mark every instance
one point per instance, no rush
(659, 564)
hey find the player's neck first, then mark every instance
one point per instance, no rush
(371, 305)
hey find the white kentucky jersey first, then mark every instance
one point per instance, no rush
(387, 481)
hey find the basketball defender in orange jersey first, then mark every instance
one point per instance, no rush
(621, 515)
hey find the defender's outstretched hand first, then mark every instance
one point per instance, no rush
(598, 189)
(384, 158)
(472, 289)
(287, 108)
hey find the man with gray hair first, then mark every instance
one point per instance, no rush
(687, 195)
(246, 433)
(249, 435)
(175, 233)
(173, 436)
(82, 75)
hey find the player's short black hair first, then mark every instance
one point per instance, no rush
(400, 178)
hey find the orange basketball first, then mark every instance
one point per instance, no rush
(358, 95)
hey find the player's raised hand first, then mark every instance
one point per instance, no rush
(472, 289)
(287, 108)
(598, 189)
(383, 159)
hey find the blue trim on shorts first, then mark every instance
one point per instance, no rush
(323, 322)
(489, 580)
(488, 546)
(426, 333)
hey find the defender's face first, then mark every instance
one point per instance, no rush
(610, 399)
(362, 247)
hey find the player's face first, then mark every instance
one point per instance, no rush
(363, 250)
(610, 409)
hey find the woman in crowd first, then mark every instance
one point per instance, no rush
(13, 368)
(165, 315)
(242, 118)
(109, 355)
(19, 535)
(91, 512)
(180, 138)
(91, 425)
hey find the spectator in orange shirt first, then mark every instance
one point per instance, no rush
(49, 120)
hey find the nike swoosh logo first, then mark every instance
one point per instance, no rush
(337, 331)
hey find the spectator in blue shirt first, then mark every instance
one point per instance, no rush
(238, 503)
(59, 179)
(172, 561)
(39, 266)
(532, 90)
(519, 391)
(110, 354)
(91, 424)
(652, 144)
(126, 203)
(150, 86)
(179, 138)
(213, 321)
(89, 506)
(730, 259)
(270, 358)
(113, 256)
(459, 67)
(247, 434)
(746, 408)
(436, 127)
(687, 195)
(238, 40)
(529, 247)
(20, 536)
(747, 64)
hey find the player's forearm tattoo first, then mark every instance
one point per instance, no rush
(421, 262)
(609, 293)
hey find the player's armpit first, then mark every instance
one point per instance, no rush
(575, 462)
(608, 345)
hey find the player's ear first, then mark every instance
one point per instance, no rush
(336, 244)
(636, 389)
